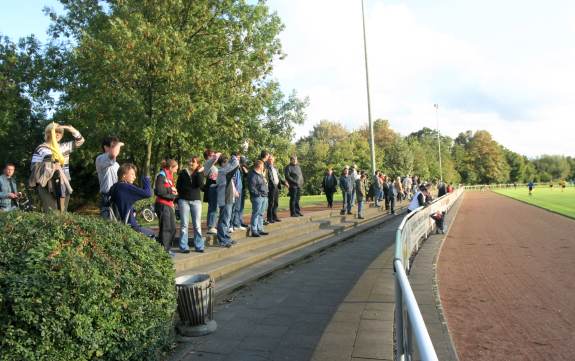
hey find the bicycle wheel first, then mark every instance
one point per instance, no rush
(148, 215)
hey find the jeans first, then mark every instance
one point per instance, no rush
(360, 206)
(212, 206)
(257, 220)
(195, 209)
(238, 212)
(105, 209)
(294, 195)
(347, 201)
(224, 220)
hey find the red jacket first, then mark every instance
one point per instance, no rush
(163, 188)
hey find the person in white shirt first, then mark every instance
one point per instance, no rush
(107, 169)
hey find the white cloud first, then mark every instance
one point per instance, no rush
(524, 99)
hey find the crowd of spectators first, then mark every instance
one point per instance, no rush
(223, 182)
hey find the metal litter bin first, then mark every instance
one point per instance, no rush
(195, 305)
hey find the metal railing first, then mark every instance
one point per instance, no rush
(414, 228)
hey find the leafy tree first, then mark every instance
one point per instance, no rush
(25, 98)
(487, 158)
(174, 77)
(553, 166)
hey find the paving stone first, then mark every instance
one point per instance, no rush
(324, 308)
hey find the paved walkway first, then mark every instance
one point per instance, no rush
(338, 305)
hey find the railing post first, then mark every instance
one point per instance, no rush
(398, 321)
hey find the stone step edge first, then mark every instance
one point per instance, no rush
(211, 239)
(202, 259)
(247, 245)
(221, 254)
(228, 285)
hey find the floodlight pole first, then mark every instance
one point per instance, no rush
(436, 106)
(371, 142)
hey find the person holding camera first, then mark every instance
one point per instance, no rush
(8, 192)
(107, 170)
(50, 167)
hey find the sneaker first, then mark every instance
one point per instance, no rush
(277, 220)
(184, 251)
(212, 230)
(255, 235)
(264, 233)
(231, 230)
(241, 228)
(172, 254)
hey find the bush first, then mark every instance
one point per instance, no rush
(80, 288)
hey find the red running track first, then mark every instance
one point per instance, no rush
(507, 281)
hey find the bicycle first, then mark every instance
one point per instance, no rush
(149, 214)
(24, 204)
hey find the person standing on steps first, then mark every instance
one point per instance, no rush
(210, 189)
(346, 184)
(238, 210)
(329, 185)
(361, 189)
(227, 194)
(258, 192)
(275, 183)
(107, 169)
(166, 192)
(294, 177)
(189, 184)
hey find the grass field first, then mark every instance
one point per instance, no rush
(552, 199)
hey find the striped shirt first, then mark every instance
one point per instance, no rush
(43, 151)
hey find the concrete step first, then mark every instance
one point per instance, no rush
(211, 239)
(221, 262)
(279, 233)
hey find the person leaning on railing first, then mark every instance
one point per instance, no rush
(420, 199)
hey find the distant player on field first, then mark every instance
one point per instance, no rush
(530, 186)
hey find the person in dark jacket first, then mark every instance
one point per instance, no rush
(258, 193)
(189, 185)
(441, 189)
(124, 194)
(238, 210)
(275, 182)
(166, 193)
(294, 177)
(210, 189)
(347, 188)
(361, 194)
(329, 185)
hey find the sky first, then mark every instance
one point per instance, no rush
(507, 67)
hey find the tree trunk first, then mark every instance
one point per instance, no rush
(148, 157)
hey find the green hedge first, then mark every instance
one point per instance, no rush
(80, 288)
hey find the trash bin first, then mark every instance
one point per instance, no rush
(195, 305)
